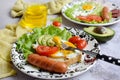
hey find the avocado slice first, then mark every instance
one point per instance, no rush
(100, 37)
(50, 42)
(46, 40)
(40, 39)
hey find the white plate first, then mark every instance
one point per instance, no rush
(73, 70)
(104, 2)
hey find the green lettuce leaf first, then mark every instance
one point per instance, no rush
(78, 7)
(24, 43)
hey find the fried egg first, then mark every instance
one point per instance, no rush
(84, 9)
(61, 54)
(87, 7)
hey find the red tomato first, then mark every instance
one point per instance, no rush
(74, 39)
(94, 17)
(83, 18)
(46, 50)
(56, 23)
(81, 44)
(90, 18)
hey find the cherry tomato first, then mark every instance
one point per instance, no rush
(56, 23)
(46, 50)
(74, 39)
(81, 44)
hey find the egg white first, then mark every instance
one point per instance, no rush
(64, 55)
(82, 12)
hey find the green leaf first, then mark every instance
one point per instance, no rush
(59, 19)
(25, 42)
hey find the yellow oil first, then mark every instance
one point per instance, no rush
(34, 16)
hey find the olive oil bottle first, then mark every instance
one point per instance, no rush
(34, 16)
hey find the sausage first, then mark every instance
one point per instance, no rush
(105, 13)
(46, 63)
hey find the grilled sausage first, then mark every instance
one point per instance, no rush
(46, 63)
(105, 13)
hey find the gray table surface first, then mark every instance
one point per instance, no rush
(100, 71)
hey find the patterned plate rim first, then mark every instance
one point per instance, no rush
(20, 66)
(115, 20)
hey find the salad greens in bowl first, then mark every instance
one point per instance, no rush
(89, 13)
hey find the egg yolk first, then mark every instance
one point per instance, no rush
(57, 40)
(70, 44)
(87, 7)
(62, 52)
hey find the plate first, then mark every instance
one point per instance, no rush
(73, 70)
(103, 2)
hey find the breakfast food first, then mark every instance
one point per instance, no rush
(105, 13)
(102, 34)
(43, 48)
(87, 12)
(46, 63)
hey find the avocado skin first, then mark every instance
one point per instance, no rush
(102, 39)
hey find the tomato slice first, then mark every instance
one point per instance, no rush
(46, 50)
(78, 41)
(83, 18)
(74, 39)
(81, 44)
(90, 18)
(56, 23)
(94, 17)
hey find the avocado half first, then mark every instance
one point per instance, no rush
(100, 37)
